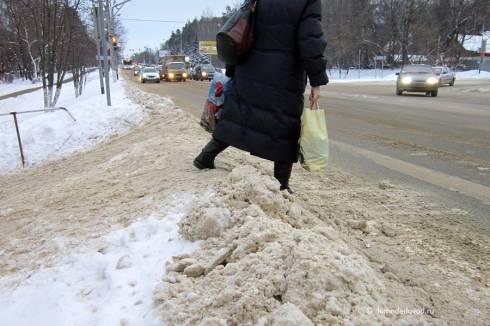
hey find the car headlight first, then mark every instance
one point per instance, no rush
(184, 75)
(171, 75)
(204, 74)
(406, 80)
(432, 80)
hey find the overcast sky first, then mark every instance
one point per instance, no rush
(151, 34)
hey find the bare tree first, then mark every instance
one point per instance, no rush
(48, 39)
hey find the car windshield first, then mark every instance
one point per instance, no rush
(418, 70)
(209, 68)
(150, 70)
(438, 70)
(176, 65)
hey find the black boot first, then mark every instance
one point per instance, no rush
(287, 189)
(282, 172)
(205, 160)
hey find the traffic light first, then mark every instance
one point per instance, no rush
(114, 41)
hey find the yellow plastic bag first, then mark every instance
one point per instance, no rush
(313, 143)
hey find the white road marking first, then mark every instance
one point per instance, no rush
(436, 178)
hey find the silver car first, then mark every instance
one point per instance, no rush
(446, 75)
(149, 74)
(417, 78)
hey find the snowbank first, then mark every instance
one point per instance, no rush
(268, 261)
(109, 282)
(390, 75)
(472, 75)
(51, 135)
(362, 75)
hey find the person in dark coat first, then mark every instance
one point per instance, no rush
(262, 111)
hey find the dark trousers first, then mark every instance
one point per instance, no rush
(282, 171)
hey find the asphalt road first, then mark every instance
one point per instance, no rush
(437, 146)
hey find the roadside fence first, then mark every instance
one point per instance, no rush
(16, 123)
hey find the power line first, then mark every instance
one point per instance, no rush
(153, 20)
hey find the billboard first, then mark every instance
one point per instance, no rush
(208, 47)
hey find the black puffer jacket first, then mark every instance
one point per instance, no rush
(262, 113)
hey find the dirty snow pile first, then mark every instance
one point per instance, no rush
(55, 134)
(109, 282)
(267, 261)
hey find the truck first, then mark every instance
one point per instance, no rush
(175, 68)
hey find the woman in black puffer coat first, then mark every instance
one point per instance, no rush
(262, 112)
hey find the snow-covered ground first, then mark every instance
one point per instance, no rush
(48, 135)
(361, 75)
(364, 75)
(16, 85)
(339, 251)
(108, 282)
(472, 74)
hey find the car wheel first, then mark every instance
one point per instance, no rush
(158, 82)
(451, 83)
(399, 92)
(433, 93)
(142, 81)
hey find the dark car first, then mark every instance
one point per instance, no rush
(417, 78)
(204, 72)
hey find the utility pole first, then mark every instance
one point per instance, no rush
(359, 63)
(99, 53)
(483, 49)
(110, 31)
(104, 52)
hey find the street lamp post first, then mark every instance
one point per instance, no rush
(99, 52)
(104, 51)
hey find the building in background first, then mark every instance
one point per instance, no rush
(478, 51)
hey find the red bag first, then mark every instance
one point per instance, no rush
(213, 104)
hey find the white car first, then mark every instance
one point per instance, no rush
(446, 75)
(149, 74)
